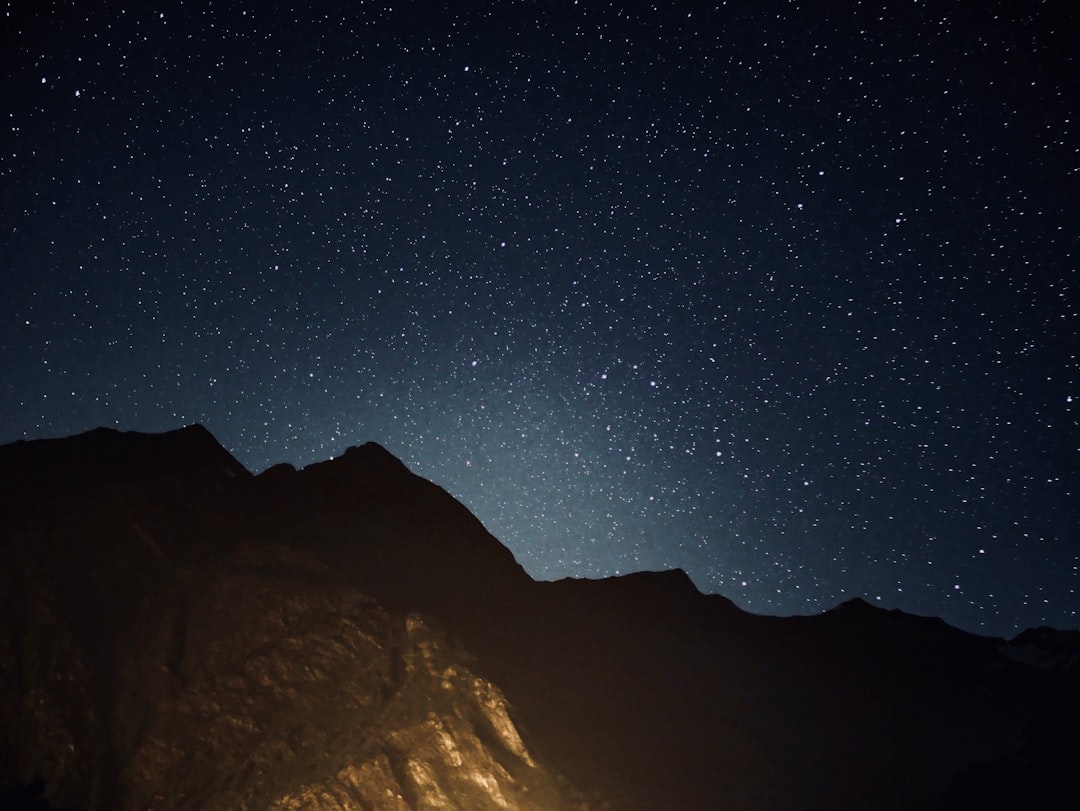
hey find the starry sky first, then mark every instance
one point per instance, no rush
(783, 294)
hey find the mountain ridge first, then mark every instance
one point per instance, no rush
(638, 692)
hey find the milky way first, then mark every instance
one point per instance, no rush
(783, 296)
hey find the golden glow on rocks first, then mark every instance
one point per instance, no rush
(283, 696)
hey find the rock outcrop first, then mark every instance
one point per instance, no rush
(274, 693)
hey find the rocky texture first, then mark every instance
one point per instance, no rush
(284, 696)
(179, 634)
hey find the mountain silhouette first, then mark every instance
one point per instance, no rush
(176, 633)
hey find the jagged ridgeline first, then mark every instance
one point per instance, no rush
(179, 634)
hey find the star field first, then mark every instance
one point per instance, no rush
(785, 296)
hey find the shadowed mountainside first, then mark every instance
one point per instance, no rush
(177, 633)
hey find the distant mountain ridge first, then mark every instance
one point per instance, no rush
(178, 633)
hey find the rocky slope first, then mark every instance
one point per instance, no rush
(153, 655)
(179, 634)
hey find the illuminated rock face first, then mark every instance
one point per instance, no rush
(252, 685)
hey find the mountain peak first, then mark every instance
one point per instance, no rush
(43, 468)
(368, 460)
(856, 604)
(374, 455)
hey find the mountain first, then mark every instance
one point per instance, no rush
(176, 633)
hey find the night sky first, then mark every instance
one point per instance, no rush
(784, 294)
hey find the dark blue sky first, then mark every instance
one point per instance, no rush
(784, 295)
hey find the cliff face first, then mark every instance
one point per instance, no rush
(178, 634)
(274, 688)
(258, 684)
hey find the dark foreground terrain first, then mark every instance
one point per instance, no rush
(176, 633)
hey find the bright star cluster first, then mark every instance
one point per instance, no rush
(783, 296)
